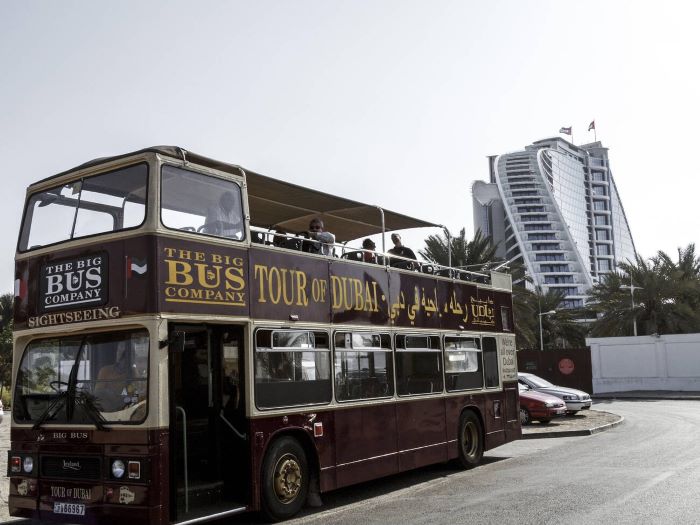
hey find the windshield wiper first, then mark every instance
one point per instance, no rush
(55, 405)
(70, 398)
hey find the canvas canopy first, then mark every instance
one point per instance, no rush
(277, 204)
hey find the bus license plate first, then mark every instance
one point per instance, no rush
(74, 509)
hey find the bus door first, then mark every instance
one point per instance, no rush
(208, 430)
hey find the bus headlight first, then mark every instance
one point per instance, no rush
(118, 468)
(28, 464)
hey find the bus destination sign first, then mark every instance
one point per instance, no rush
(79, 282)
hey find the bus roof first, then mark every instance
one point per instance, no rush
(275, 203)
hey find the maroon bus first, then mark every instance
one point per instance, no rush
(181, 354)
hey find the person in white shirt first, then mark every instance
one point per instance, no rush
(322, 242)
(225, 219)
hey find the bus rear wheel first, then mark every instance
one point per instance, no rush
(285, 479)
(470, 440)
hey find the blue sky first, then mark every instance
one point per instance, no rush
(396, 103)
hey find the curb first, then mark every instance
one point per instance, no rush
(571, 433)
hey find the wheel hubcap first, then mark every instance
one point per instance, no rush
(470, 439)
(287, 478)
(524, 418)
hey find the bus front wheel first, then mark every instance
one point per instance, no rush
(470, 440)
(285, 479)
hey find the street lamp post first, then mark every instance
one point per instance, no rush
(632, 288)
(551, 312)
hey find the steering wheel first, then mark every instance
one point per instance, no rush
(56, 385)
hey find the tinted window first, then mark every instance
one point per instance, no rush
(490, 353)
(463, 363)
(99, 204)
(292, 367)
(363, 366)
(200, 203)
(418, 365)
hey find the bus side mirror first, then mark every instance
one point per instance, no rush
(175, 343)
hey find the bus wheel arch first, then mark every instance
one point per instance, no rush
(470, 438)
(289, 469)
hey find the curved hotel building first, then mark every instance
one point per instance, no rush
(554, 206)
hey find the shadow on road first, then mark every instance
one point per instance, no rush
(372, 489)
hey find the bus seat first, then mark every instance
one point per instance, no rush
(352, 256)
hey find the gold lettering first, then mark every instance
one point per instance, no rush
(234, 279)
(261, 272)
(178, 269)
(357, 288)
(274, 292)
(337, 292)
(302, 299)
(208, 276)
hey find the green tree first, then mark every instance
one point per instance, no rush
(562, 329)
(465, 254)
(6, 317)
(666, 296)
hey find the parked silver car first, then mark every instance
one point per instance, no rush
(575, 399)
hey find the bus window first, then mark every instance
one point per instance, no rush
(108, 373)
(490, 362)
(363, 367)
(201, 203)
(99, 204)
(292, 367)
(418, 369)
(463, 363)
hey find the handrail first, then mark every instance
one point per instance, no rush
(184, 442)
(230, 425)
(449, 271)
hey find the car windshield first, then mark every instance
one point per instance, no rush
(99, 204)
(96, 378)
(539, 382)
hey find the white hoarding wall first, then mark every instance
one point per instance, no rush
(667, 362)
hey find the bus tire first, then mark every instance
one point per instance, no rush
(285, 479)
(470, 440)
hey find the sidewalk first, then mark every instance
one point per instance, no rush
(583, 423)
(649, 394)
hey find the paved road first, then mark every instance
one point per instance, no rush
(646, 470)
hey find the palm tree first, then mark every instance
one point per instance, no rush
(666, 297)
(560, 330)
(465, 254)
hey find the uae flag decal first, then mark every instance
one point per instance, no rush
(135, 266)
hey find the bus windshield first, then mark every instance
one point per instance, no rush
(99, 204)
(96, 378)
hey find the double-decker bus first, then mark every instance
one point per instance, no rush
(181, 354)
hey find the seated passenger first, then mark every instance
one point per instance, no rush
(225, 219)
(112, 385)
(402, 251)
(322, 242)
(369, 256)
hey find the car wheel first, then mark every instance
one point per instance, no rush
(470, 440)
(524, 417)
(571, 412)
(545, 421)
(285, 478)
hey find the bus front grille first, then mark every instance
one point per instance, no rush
(73, 467)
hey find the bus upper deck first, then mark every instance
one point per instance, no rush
(130, 235)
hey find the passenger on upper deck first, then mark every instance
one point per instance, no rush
(369, 256)
(322, 241)
(225, 219)
(402, 251)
